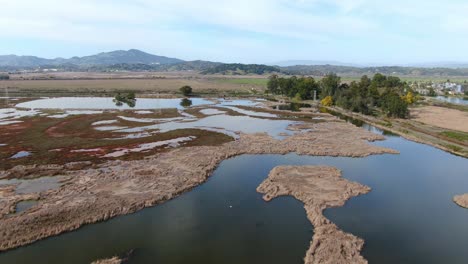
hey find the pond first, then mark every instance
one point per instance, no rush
(452, 100)
(106, 103)
(224, 124)
(408, 217)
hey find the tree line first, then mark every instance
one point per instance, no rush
(387, 93)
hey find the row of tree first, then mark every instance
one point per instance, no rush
(387, 93)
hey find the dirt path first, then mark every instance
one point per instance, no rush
(319, 187)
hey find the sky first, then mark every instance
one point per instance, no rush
(386, 32)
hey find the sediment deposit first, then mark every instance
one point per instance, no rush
(461, 200)
(121, 187)
(114, 260)
(319, 187)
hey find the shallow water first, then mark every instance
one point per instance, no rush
(35, 185)
(21, 154)
(211, 111)
(408, 217)
(225, 124)
(452, 100)
(250, 113)
(10, 115)
(222, 221)
(24, 205)
(106, 103)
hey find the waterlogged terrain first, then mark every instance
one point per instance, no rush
(407, 217)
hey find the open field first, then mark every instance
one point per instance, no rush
(441, 117)
(448, 139)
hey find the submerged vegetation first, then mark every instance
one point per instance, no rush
(387, 94)
(185, 102)
(128, 98)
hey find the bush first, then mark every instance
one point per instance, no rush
(4, 77)
(327, 101)
(186, 90)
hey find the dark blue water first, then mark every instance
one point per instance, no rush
(408, 217)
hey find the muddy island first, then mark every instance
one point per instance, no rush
(461, 200)
(319, 187)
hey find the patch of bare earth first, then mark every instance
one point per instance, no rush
(122, 187)
(114, 260)
(441, 117)
(461, 200)
(319, 187)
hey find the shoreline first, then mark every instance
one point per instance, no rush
(374, 122)
(319, 188)
(461, 200)
(123, 187)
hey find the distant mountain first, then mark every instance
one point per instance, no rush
(312, 62)
(131, 56)
(241, 69)
(441, 64)
(22, 61)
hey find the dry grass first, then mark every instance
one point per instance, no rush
(441, 117)
(72, 83)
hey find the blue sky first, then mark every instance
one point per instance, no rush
(249, 31)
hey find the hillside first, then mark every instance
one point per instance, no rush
(132, 56)
(241, 69)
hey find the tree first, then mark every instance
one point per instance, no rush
(379, 80)
(306, 87)
(186, 90)
(432, 92)
(273, 84)
(329, 84)
(393, 82)
(373, 95)
(393, 105)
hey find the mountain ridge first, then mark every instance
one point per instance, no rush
(131, 56)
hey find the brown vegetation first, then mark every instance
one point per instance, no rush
(319, 187)
(121, 187)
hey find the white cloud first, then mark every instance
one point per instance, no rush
(201, 29)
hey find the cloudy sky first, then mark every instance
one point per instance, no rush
(261, 31)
